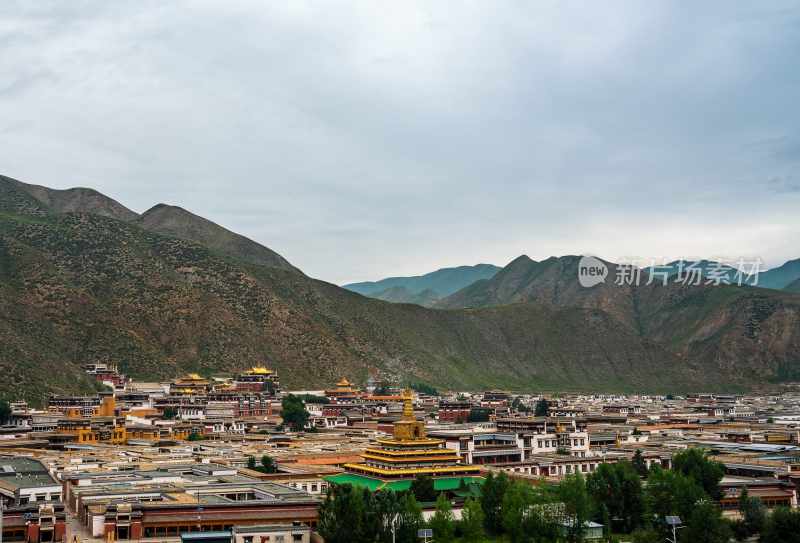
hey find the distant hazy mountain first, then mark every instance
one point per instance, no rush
(793, 286)
(780, 277)
(424, 288)
(708, 270)
(776, 278)
(401, 295)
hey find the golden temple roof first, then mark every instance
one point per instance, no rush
(410, 452)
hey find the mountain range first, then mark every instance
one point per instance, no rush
(84, 279)
(435, 289)
(424, 289)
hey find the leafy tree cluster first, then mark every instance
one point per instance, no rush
(294, 412)
(422, 488)
(535, 514)
(615, 496)
(352, 515)
(542, 408)
(356, 515)
(695, 464)
(753, 516)
(424, 388)
(783, 526)
(689, 491)
(479, 414)
(268, 464)
(515, 511)
(519, 406)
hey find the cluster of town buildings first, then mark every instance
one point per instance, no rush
(181, 461)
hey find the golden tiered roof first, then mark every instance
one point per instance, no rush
(410, 452)
(344, 388)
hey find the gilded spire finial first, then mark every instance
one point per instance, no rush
(408, 405)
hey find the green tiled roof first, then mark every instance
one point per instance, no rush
(440, 484)
(355, 480)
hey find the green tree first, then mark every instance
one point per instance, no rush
(170, 413)
(517, 405)
(268, 464)
(639, 464)
(478, 414)
(492, 493)
(251, 462)
(577, 505)
(671, 493)
(423, 489)
(409, 520)
(195, 436)
(530, 514)
(517, 502)
(442, 522)
(5, 412)
(706, 525)
(754, 514)
(472, 519)
(424, 389)
(294, 412)
(694, 462)
(542, 408)
(617, 488)
(342, 515)
(386, 507)
(783, 526)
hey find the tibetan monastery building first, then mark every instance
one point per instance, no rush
(395, 462)
(344, 392)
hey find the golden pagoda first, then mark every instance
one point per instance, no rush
(406, 455)
(344, 391)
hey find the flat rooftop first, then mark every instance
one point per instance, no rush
(22, 472)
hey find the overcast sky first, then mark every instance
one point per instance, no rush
(367, 139)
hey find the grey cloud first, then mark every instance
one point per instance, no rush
(366, 139)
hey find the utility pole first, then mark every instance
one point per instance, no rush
(1, 519)
(676, 524)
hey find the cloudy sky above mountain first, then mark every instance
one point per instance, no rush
(366, 139)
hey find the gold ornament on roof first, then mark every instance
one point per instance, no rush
(408, 405)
